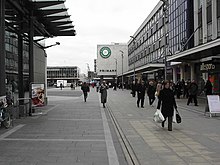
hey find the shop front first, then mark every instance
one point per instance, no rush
(211, 70)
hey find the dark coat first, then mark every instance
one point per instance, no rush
(193, 89)
(141, 89)
(85, 88)
(208, 88)
(103, 91)
(167, 100)
(151, 91)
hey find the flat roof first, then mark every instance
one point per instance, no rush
(50, 17)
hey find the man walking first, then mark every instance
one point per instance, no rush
(193, 91)
(141, 88)
(151, 93)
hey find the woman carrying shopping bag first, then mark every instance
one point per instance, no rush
(167, 103)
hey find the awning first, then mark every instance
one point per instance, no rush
(50, 17)
(211, 48)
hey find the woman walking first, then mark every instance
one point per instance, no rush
(168, 103)
(103, 91)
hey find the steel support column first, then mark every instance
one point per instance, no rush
(2, 49)
(31, 57)
(20, 62)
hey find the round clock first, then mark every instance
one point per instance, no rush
(105, 52)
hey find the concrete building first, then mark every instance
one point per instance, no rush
(68, 73)
(112, 61)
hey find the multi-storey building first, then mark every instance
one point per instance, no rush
(68, 73)
(199, 54)
(146, 47)
(179, 39)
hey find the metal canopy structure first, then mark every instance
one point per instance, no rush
(50, 17)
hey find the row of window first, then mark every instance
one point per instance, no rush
(107, 70)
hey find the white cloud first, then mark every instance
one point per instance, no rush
(97, 22)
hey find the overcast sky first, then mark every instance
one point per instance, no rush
(97, 22)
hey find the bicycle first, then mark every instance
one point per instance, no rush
(5, 117)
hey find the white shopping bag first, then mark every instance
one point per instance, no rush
(158, 116)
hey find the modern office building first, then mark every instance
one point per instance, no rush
(68, 73)
(146, 47)
(179, 39)
(199, 56)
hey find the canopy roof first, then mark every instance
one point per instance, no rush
(50, 17)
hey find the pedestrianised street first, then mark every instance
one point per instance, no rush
(69, 131)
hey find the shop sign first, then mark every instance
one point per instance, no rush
(207, 67)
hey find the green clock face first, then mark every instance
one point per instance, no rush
(105, 52)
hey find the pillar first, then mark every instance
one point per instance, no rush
(196, 24)
(204, 21)
(20, 62)
(2, 49)
(192, 72)
(214, 19)
(174, 74)
(182, 76)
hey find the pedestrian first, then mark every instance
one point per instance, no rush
(103, 91)
(193, 91)
(85, 88)
(97, 86)
(141, 89)
(208, 88)
(71, 86)
(61, 86)
(133, 89)
(208, 91)
(167, 103)
(151, 92)
(178, 89)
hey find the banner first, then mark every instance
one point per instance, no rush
(37, 94)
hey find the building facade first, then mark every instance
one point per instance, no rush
(112, 61)
(68, 73)
(146, 47)
(179, 39)
(200, 57)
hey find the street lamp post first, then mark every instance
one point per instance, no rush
(134, 41)
(122, 57)
(165, 9)
(116, 63)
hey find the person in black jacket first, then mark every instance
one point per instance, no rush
(167, 103)
(208, 88)
(193, 91)
(85, 88)
(141, 89)
(151, 92)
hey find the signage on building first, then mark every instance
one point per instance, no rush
(207, 67)
(105, 52)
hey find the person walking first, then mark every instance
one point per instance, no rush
(208, 88)
(167, 103)
(133, 89)
(141, 89)
(85, 88)
(61, 86)
(193, 91)
(103, 91)
(151, 92)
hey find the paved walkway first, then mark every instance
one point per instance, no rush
(70, 131)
